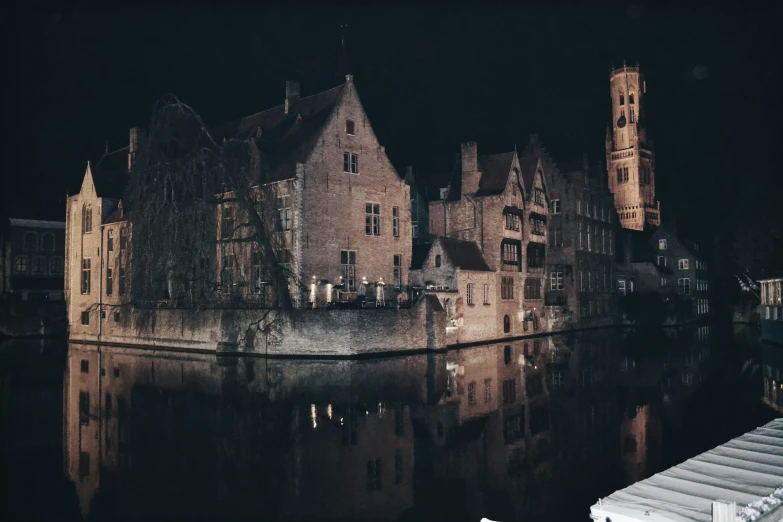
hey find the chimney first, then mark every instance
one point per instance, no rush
(291, 94)
(470, 173)
(137, 139)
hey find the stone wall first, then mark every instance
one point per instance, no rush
(298, 332)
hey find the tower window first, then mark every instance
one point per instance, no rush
(625, 173)
(622, 99)
(633, 114)
(619, 175)
(630, 98)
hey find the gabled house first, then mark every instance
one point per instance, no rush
(344, 209)
(502, 206)
(457, 273)
(97, 243)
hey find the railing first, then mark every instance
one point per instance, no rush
(622, 154)
(623, 69)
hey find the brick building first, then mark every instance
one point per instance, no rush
(665, 260)
(97, 241)
(456, 272)
(501, 204)
(580, 260)
(343, 211)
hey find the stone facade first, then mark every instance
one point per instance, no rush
(454, 271)
(343, 209)
(630, 160)
(502, 206)
(33, 260)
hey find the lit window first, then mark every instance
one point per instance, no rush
(682, 264)
(661, 244)
(20, 264)
(556, 281)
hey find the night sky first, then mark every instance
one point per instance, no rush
(429, 78)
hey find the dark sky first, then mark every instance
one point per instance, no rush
(429, 78)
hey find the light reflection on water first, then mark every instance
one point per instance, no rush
(504, 431)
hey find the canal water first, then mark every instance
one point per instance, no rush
(528, 430)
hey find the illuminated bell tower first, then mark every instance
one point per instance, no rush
(630, 159)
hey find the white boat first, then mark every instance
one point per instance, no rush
(739, 481)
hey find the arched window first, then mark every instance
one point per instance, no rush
(86, 219)
(630, 98)
(622, 99)
(47, 242)
(506, 324)
(31, 241)
(437, 260)
(110, 240)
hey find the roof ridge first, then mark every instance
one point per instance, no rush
(283, 104)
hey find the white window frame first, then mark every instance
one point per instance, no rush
(662, 244)
(683, 264)
(555, 206)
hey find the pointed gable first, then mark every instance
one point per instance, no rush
(495, 170)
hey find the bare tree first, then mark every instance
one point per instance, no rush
(181, 181)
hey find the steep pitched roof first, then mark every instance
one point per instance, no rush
(284, 139)
(110, 174)
(528, 166)
(495, 169)
(464, 254)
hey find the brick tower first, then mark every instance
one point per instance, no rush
(630, 159)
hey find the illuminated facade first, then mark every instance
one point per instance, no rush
(630, 159)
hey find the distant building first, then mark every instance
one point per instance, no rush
(580, 260)
(630, 160)
(33, 256)
(666, 261)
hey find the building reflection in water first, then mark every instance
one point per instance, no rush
(494, 431)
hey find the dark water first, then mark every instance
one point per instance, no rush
(532, 430)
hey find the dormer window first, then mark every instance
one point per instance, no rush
(349, 127)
